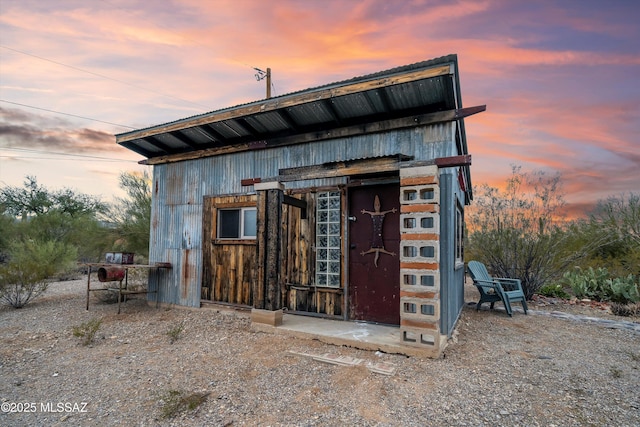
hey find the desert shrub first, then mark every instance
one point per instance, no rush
(87, 330)
(555, 291)
(517, 231)
(175, 331)
(31, 263)
(174, 402)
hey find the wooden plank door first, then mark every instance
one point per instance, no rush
(374, 242)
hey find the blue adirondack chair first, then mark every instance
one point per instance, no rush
(495, 289)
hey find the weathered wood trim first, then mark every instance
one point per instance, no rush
(448, 162)
(346, 168)
(250, 181)
(248, 242)
(361, 129)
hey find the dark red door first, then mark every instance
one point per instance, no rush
(374, 242)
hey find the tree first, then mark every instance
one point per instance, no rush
(132, 215)
(60, 216)
(34, 200)
(518, 232)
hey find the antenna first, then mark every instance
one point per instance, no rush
(260, 75)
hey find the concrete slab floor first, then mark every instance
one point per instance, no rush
(361, 335)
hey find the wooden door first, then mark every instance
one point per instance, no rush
(374, 242)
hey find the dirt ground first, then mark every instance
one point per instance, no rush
(525, 370)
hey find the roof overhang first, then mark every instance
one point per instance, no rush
(418, 94)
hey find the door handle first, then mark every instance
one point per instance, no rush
(352, 246)
(353, 218)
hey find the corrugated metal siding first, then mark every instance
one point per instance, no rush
(179, 188)
(451, 279)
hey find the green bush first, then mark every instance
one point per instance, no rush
(31, 263)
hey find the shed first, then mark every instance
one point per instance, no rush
(344, 201)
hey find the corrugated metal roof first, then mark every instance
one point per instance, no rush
(420, 88)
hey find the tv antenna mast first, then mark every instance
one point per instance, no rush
(260, 75)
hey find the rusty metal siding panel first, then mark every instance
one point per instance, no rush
(176, 233)
(180, 284)
(222, 174)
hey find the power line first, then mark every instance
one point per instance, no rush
(66, 160)
(104, 77)
(30, 150)
(65, 114)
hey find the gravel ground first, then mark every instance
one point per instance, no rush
(531, 370)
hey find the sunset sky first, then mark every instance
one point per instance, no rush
(561, 79)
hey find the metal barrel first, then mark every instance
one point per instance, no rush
(110, 274)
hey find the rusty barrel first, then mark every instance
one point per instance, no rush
(110, 274)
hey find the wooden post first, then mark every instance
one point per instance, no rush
(272, 264)
(267, 293)
(268, 83)
(261, 243)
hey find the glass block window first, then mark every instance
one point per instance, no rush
(328, 243)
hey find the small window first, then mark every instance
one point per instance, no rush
(237, 223)
(459, 246)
